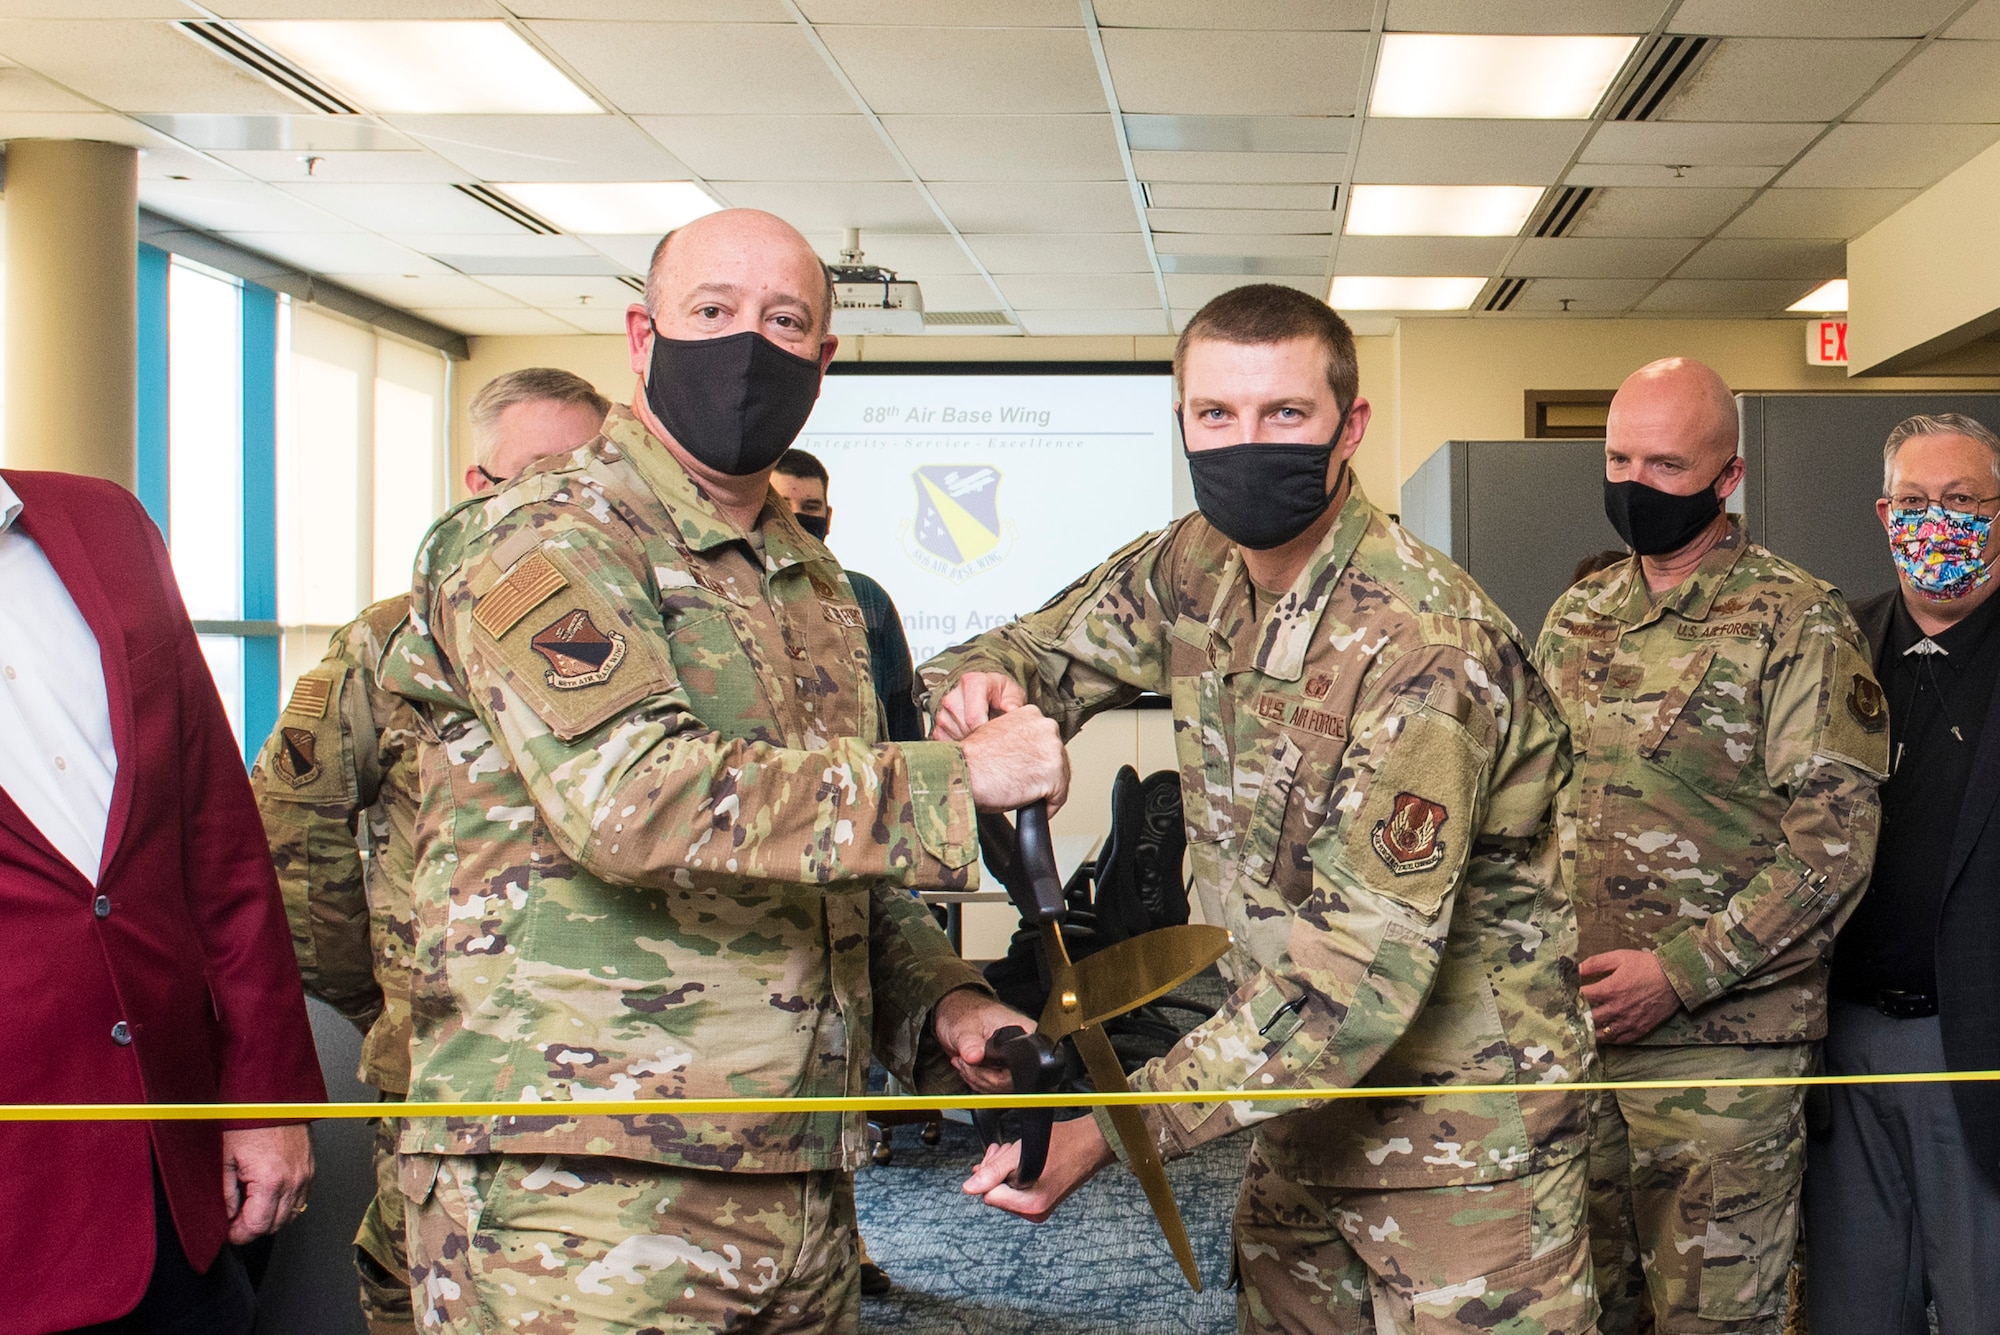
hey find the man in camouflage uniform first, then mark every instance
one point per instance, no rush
(665, 853)
(1729, 738)
(339, 774)
(1367, 769)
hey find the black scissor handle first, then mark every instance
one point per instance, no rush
(1029, 857)
(1038, 1067)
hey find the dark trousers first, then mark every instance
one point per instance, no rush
(1897, 1211)
(179, 1300)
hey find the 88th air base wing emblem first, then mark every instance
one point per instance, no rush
(957, 532)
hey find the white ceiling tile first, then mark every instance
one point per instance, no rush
(1231, 73)
(1055, 206)
(633, 252)
(1653, 175)
(1980, 21)
(404, 208)
(1835, 214)
(959, 292)
(1417, 256)
(357, 9)
(545, 148)
(1944, 82)
(1009, 148)
(24, 90)
(339, 252)
(77, 125)
(137, 67)
(1815, 260)
(1811, 18)
(1059, 323)
(1238, 134)
(1289, 222)
(1078, 292)
(969, 69)
(559, 295)
(291, 133)
(1723, 296)
(777, 148)
(346, 168)
(1658, 143)
(818, 206)
(597, 319)
(1596, 295)
(498, 323)
(1782, 79)
(448, 289)
(1597, 257)
(1469, 152)
(698, 68)
(1888, 156)
(1113, 252)
(1246, 167)
(1174, 195)
(165, 160)
(1657, 211)
(905, 252)
(1190, 291)
(236, 206)
(523, 245)
(1600, 17)
(655, 11)
(1303, 248)
(1265, 15)
(98, 9)
(925, 13)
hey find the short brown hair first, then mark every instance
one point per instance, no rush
(1271, 313)
(527, 385)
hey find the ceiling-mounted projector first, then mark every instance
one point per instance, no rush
(868, 299)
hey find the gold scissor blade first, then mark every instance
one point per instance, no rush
(1140, 1152)
(1126, 976)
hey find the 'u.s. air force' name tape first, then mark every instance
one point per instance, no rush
(571, 1108)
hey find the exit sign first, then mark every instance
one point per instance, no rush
(1826, 342)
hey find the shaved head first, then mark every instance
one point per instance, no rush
(690, 255)
(1678, 400)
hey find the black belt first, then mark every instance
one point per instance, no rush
(1892, 1002)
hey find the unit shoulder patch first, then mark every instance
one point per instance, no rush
(1866, 703)
(1409, 839)
(297, 761)
(578, 653)
(528, 583)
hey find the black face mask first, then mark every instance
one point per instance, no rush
(1262, 495)
(734, 403)
(1654, 522)
(815, 525)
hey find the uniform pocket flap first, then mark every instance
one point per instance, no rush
(1756, 1175)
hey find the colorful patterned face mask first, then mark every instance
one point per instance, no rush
(1940, 551)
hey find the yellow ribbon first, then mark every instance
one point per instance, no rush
(402, 1111)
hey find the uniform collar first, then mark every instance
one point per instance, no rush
(702, 527)
(1277, 645)
(1625, 597)
(10, 506)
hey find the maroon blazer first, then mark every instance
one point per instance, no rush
(182, 942)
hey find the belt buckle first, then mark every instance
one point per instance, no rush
(1898, 1005)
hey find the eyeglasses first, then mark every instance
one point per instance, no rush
(1956, 500)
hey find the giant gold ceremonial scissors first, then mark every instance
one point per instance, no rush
(1082, 996)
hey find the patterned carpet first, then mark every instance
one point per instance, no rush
(1099, 1266)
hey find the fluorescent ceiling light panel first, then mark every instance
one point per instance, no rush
(612, 207)
(467, 67)
(1440, 210)
(1464, 75)
(1828, 297)
(1354, 292)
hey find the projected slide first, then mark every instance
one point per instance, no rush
(974, 498)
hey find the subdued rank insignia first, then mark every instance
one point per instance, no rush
(310, 697)
(1865, 703)
(1408, 840)
(579, 653)
(1317, 685)
(297, 761)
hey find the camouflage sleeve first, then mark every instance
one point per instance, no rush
(315, 776)
(1826, 748)
(911, 966)
(1094, 646)
(635, 787)
(1445, 783)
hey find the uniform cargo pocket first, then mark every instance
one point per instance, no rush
(1551, 1292)
(1753, 1225)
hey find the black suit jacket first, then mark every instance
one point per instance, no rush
(1968, 937)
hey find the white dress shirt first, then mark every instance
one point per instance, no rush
(56, 757)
